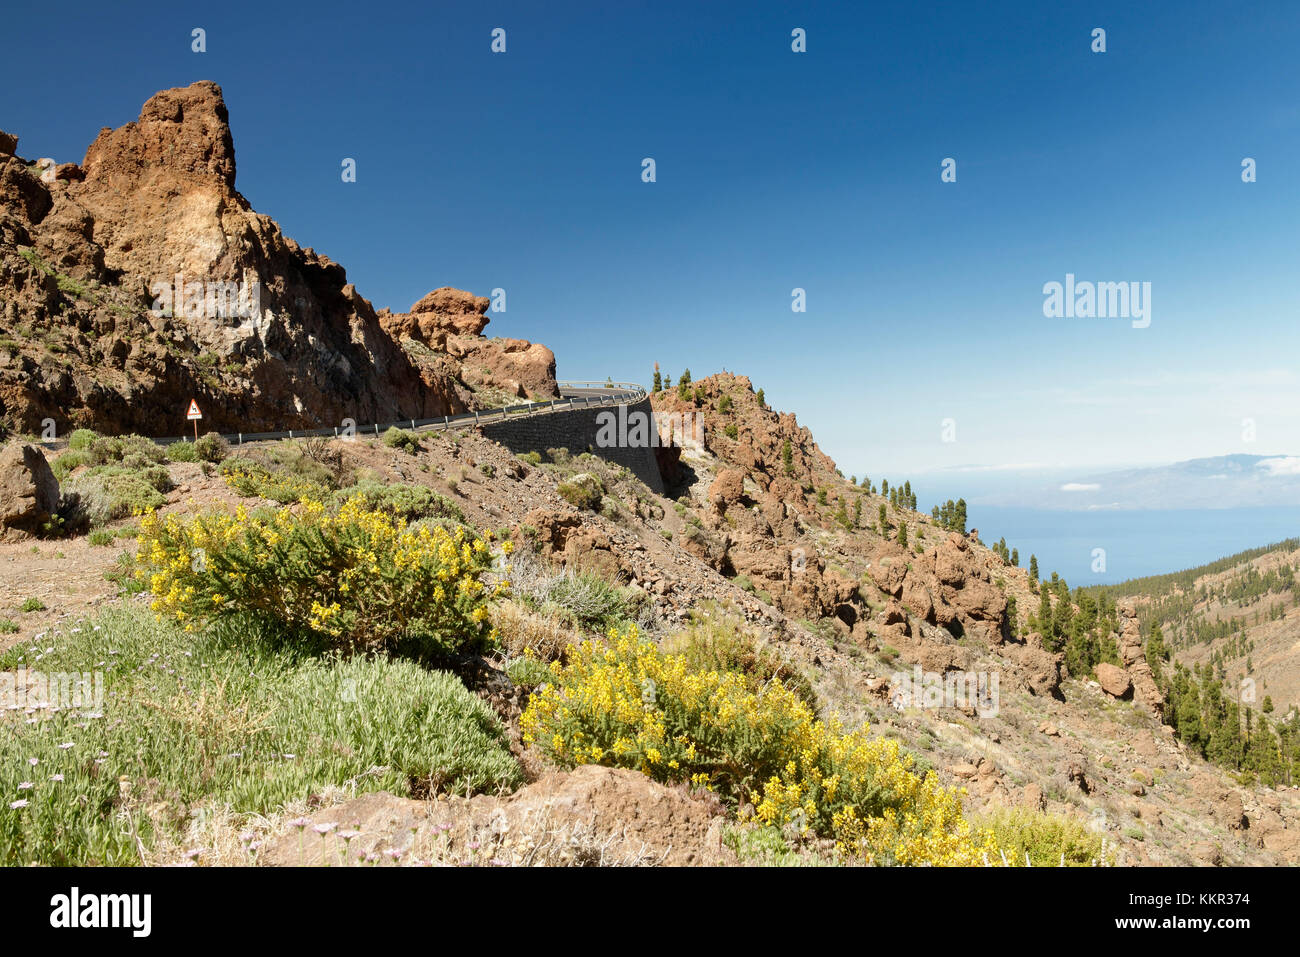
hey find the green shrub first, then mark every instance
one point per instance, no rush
(588, 600)
(584, 490)
(528, 673)
(132, 452)
(411, 502)
(212, 448)
(358, 579)
(82, 439)
(101, 537)
(1045, 837)
(182, 452)
(8, 626)
(532, 458)
(252, 479)
(109, 492)
(408, 442)
(214, 723)
(67, 463)
(32, 604)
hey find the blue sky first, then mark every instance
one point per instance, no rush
(778, 170)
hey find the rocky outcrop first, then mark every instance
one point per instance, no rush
(29, 492)
(450, 323)
(142, 278)
(1132, 654)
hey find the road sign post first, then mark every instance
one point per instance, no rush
(194, 415)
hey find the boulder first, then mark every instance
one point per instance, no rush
(29, 492)
(8, 144)
(1114, 680)
(727, 489)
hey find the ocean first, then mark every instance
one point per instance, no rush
(1135, 543)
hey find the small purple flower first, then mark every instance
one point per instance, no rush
(25, 785)
(56, 777)
(323, 829)
(300, 822)
(17, 805)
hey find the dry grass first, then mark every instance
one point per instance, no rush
(522, 628)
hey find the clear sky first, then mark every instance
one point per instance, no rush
(776, 170)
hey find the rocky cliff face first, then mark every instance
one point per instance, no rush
(141, 278)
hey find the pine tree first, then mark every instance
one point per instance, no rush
(1033, 568)
(668, 382)
(659, 380)
(884, 486)
(959, 517)
(787, 457)
(884, 520)
(684, 385)
(902, 533)
(1015, 558)
(857, 513)
(762, 403)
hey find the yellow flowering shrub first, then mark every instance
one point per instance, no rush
(359, 578)
(253, 480)
(627, 704)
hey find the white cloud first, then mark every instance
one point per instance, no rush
(1080, 487)
(1286, 465)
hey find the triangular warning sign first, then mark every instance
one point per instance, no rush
(194, 412)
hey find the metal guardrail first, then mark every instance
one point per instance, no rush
(608, 393)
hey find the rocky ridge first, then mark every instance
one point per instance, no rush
(141, 278)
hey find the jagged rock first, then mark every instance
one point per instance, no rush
(1131, 652)
(1074, 773)
(29, 492)
(155, 200)
(1113, 680)
(727, 489)
(451, 322)
(8, 144)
